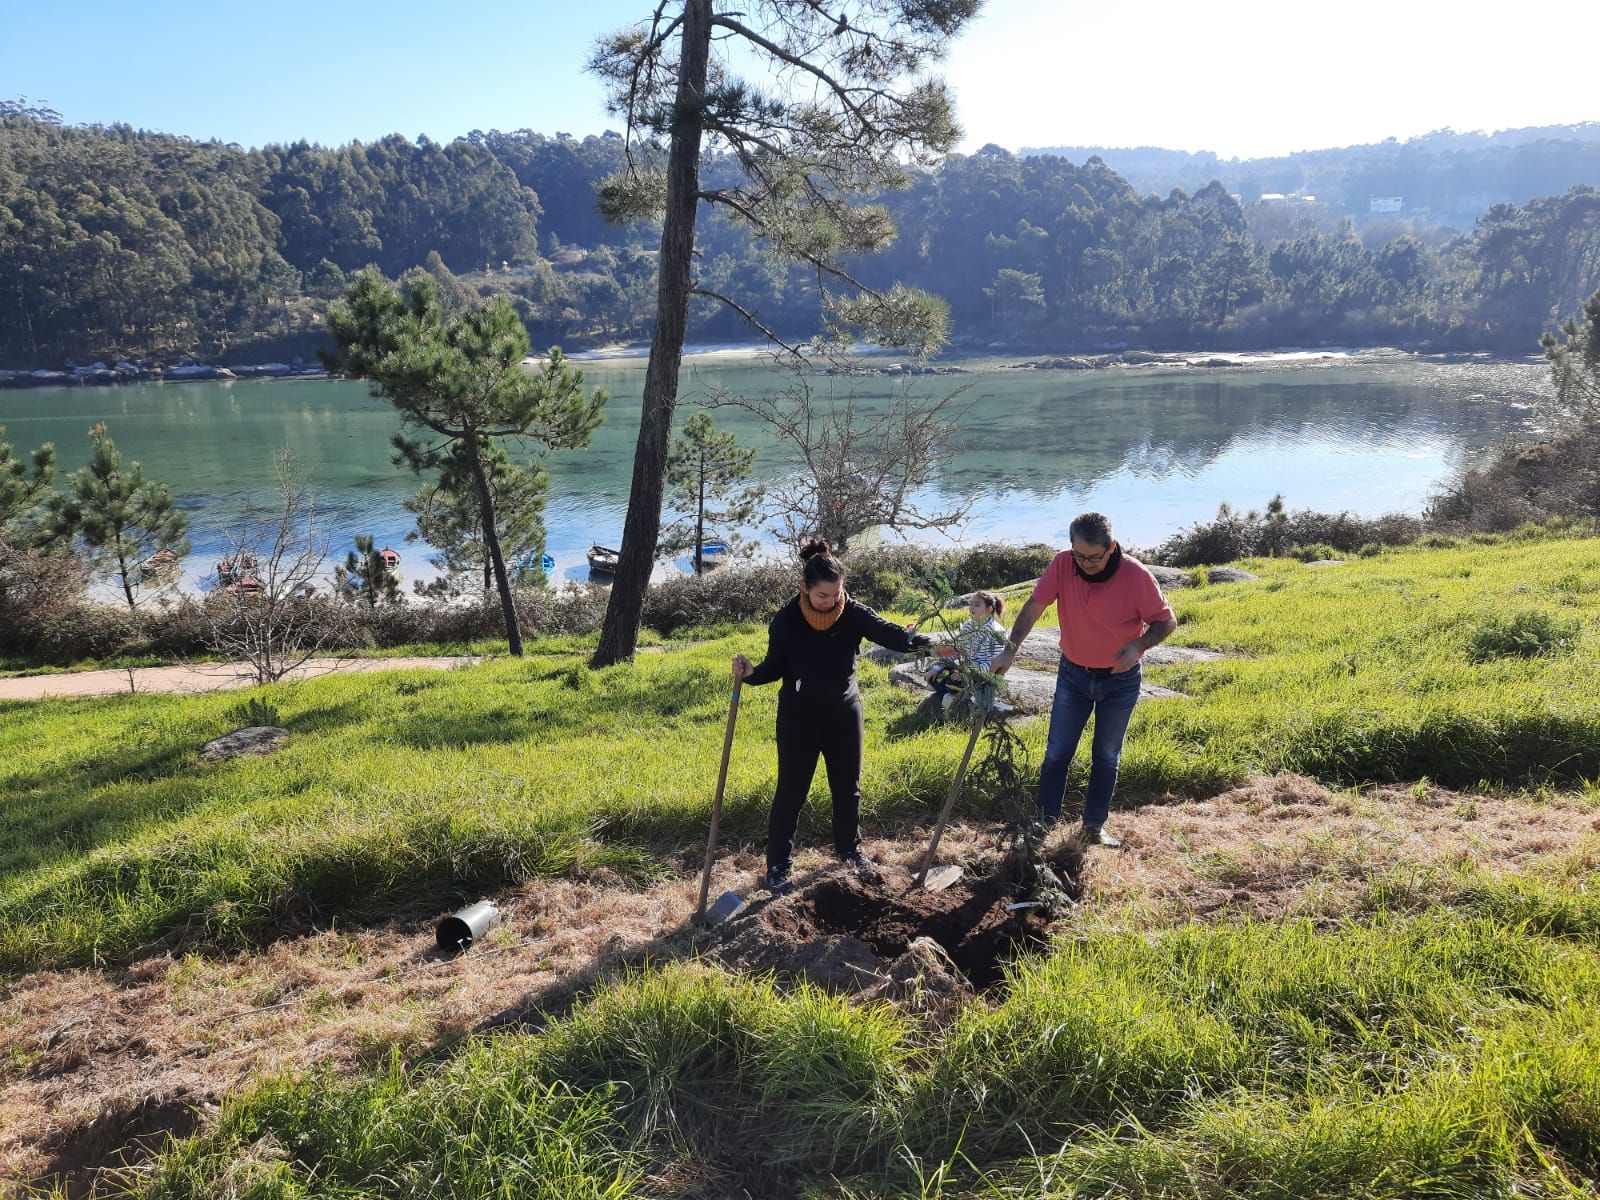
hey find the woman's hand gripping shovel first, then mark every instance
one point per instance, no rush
(728, 904)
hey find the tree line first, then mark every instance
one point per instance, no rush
(1445, 177)
(116, 242)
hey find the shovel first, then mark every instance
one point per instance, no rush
(945, 876)
(716, 805)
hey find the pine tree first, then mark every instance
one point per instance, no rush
(24, 485)
(849, 110)
(458, 380)
(366, 575)
(119, 515)
(707, 465)
(450, 518)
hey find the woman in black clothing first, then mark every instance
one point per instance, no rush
(811, 646)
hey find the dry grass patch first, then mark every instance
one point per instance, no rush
(1287, 846)
(85, 1051)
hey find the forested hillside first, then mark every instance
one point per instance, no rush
(1444, 177)
(117, 242)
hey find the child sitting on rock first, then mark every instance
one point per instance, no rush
(979, 640)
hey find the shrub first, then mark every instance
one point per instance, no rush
(735, 593)
(1232, 535)
(1523, 483)
(547, 612)
(255, 711)
(995, 565)
(1525, 635)
(1313, 553)
(61, 634)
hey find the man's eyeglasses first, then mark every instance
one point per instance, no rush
(1092, 560)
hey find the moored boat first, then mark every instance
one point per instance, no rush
(603, 559)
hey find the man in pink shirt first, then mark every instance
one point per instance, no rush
(1112, 611)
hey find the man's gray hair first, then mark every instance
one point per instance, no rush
(1091, 527)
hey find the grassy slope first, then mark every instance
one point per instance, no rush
(1433, 1055)
(431, 783)
(1448, 1051)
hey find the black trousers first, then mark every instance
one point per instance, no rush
(836, 733)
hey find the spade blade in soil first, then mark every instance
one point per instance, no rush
(940, 878)
(728, 906)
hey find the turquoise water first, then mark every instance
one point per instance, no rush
(1155, 448)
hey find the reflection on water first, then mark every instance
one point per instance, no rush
(1156, 449)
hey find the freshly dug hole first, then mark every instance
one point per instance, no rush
(845, 930)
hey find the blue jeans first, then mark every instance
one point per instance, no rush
(1078, 694)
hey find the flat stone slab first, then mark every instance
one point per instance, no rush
(1326, 562)
(1171, 577)
(255, 739)
(1229, 575)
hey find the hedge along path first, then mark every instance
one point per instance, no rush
(204, 677)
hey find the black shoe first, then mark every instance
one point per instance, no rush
(857, 861)
(1096, 835)
(778, 882)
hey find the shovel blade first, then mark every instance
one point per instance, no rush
(728, 906)
(940, 878)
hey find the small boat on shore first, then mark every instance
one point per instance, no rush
(543, 562)
(714, 552)
(159, 567)
(603, 560)
(232, 570)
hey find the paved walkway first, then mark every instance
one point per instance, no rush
(202, 677)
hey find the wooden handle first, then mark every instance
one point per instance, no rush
(950, 800)
(716, 805)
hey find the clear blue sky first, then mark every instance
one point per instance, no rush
(1238, 76)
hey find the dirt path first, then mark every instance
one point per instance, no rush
(202, 677)
(95, 1059)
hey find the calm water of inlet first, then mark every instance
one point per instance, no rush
(1155, 448)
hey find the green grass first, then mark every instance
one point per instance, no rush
(1437, 1054)
(425, 786)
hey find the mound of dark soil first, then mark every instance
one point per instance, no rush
(875, 932)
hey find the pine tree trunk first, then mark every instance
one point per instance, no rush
(700, 522)
(122, 573)
(491, 539)
(620, 633)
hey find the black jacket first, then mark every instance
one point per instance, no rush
(819, 666)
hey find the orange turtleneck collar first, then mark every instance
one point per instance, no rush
(821, 621)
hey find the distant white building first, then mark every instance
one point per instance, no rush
(1281, 199)
(1386, 204)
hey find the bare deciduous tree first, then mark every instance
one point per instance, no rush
(265, 609)
(854, 467)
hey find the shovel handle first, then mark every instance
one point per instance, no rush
(716, 805)
(950, 800)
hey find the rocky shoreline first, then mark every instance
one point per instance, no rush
(100, 374)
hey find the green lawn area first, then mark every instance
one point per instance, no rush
(1425, 1045)
(427, 785)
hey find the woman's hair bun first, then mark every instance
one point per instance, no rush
(813, 548)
